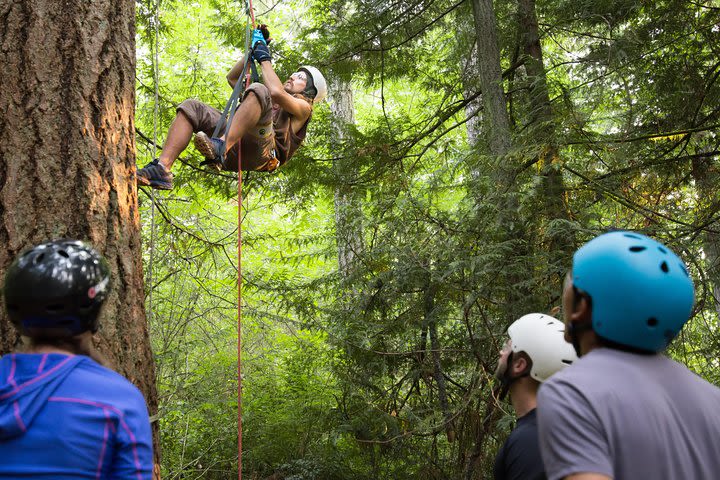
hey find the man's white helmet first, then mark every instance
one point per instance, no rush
(542, 338)
(318, 81)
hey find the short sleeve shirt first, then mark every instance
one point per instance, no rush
(519, 458)
(629, 416)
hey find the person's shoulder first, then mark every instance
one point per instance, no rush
(524, 433)
(575, 383)
(106, 382)
(680, 373)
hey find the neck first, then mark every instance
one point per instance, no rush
(523, 396)
(588, 342)
(48, 349)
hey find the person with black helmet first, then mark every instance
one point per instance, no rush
(624, 410)
(62, 414)
(267, 128)
(535, 350)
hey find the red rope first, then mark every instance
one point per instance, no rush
(239, 268)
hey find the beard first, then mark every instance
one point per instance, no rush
(500, 369)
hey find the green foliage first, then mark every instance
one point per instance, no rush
(376, 363)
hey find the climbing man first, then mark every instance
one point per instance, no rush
(267, 128)
(535, 351)
(624, 410)
(63, 415)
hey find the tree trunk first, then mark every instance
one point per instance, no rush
(706, 177)
(67, 155)
(431, 321)
(348, 199)
(496, 122)
(473, 110)
(560, 242)
(496, 129)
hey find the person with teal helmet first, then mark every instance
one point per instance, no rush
(624, 410)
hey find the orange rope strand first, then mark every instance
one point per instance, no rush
(239, 269)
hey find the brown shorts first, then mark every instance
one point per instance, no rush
(258, 145)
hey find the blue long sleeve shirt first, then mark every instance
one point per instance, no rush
(66, 417)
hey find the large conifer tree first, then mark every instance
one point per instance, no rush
(67, 155)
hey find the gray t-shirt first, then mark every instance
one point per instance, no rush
(629, 416)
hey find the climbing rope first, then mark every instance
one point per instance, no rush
(228, 113)
(248, 60)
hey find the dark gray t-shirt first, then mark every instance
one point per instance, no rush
(629, 416)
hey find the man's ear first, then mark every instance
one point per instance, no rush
(519, 365)
(581, 312)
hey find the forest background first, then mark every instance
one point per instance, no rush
(465, 150)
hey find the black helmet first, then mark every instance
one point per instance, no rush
(56, 289)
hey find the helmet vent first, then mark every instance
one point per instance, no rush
(63, 253)
(637, 248)
(664, 267)
(682, 267)
(662, 250)
(39, 258)
(630, 235)
(652, 322)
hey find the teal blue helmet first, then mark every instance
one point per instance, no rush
(641, 292)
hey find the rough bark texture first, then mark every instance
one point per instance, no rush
(67, 155)
(348, 200)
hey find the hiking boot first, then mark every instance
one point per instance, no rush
(211, 148)
(155, 175)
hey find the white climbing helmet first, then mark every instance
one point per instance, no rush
(541, 337)
(318, 81)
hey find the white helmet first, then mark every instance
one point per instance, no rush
(541, 337)
(318, 82)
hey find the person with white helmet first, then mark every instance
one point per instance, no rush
(267, 128)
(625, 410)
(535, 351)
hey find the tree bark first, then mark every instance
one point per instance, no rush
(67, 155)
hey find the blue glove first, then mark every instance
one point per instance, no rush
(258, 37)
(261, 53)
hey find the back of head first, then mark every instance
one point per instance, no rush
(55, 290)
(641, 293)
(542, 338)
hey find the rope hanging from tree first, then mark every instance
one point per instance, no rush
(231, 106)
(227, 114)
